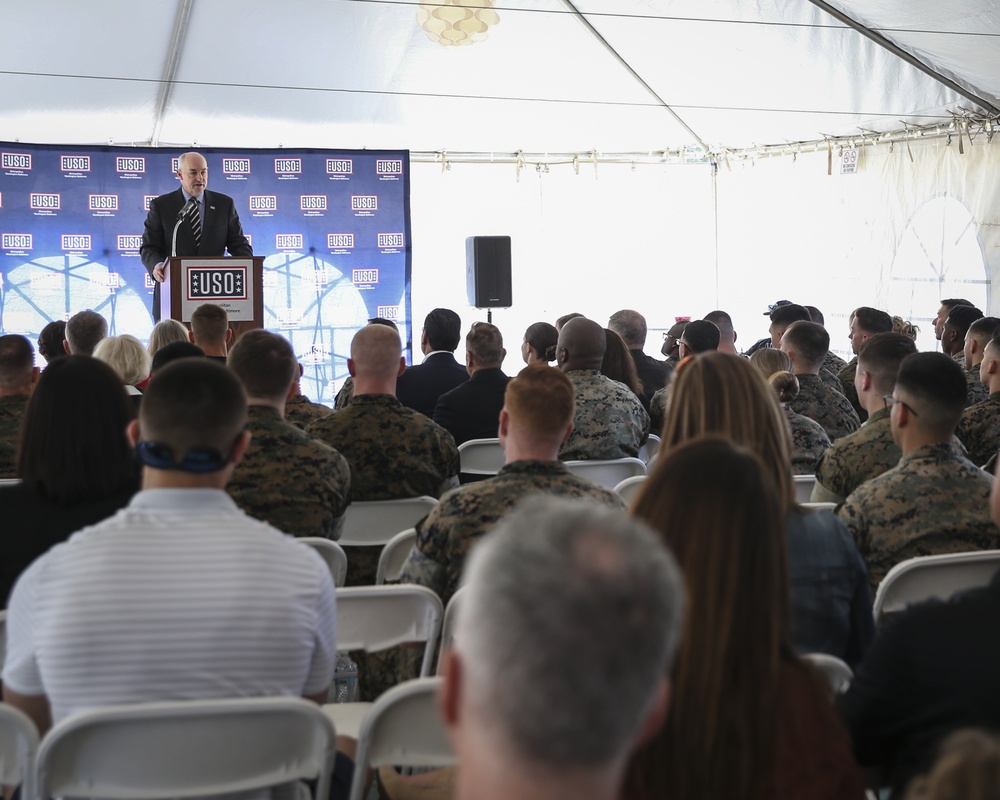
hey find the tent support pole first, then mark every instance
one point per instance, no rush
(593, 32)
(897, 51)
(170, 70)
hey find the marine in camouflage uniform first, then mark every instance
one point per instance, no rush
(829, 408)
(809, 442)
(831, 381)
(288, 478)
(833, 363)
(610, 421)
(658, 409)
(856, 458)
(344, 396)
(846, 378)
(934, 501)
(300, 411)
(979, 429)
(978, 391)
(11, 411)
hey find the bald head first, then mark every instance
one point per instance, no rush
(582, 343)
(376, 360)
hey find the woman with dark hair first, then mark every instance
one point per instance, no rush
(539, 343)
(748, 719)
(50, 341)
(618, 363)
(74, 461)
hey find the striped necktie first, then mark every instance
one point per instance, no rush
(195, 219)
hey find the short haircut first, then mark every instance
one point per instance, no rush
(630, 325)
(786, 315)
(566, 318)
(209, 323)
(17, 359)
(376, 350)
(84, 330)
(881, 356)
(266, 364)
(485, 342)
(126, 356)
(541, 400)
(871, 320)
(565, 599)
(383, 321)
(543, 338)
(193, 403)
(701, 336)
(936, 384)
(961, 317)
(166, 331)
(584, 339)
(444, 329)
(50, 340)
(173, 351)
(809, 339)
(951, 302)
(984, 329)
(815, 315)
(721, 320)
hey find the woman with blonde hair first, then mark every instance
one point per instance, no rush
(164, 332)
(126, 356)
(809, 440)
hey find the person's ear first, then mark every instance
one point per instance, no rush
(191, 337)
(350, 367)
(229, 335)
(991, 368)
(132, 432)
(66, 347)
(242, 443)
(657, 713)
(402, 366)
(569, 432)
(292, 391)
(504, 427)
(35, 373)
(866, 381)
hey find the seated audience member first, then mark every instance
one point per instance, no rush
(421, 385)
(472, 409)
(83, 331)
(346, 392)
(809, 440)
(967, 768)
(537, 417)
(50, 341)
(781, 317)
(174, 351)
(979, 429)
(870, 450)
(832, 363)
(618, 365)
(905, 327)
(672, 341)
(164, 332)
(299, 409)
(75, 464)
(807, 343)
(18, 375)
(699, 336)
(180, 595)
(587, 600)
(539, 343)
(944, 311)
(935, 500)
(727, 334)
(652, 374)
(865, 323)
(721, 395)
(610, 421)
(767, 340)
(210, 331)
(979, 331)
(956, 326)
(128, 358)
(748, 718)
(287, 478)
(566, 318)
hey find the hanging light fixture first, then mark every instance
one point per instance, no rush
(457, 22)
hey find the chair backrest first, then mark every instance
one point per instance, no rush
(607, 473)
(3, 638)
(804, 487)
(375, 522)
(836, 671)
(18, 748)
(376, 617)
(630, 487)
(649, 449)
(332, 553)
(819, 506)
(926, 577)
(9, 481)
(394, 555)
(402, 728)
(448, 628)
(186, 748)
(481, 456)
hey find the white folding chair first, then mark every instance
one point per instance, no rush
(448, 627)
(375, 522)
(608, 473)
(630, 487)
(649, 450)
(332, 553)
(18, 748)
(819, 506)
(377, 617)
(481, 456)
(804, 487)
(186, 748)
(403, 728)
(394, 555)
(927, 577)
(9, 481)
(836, 671)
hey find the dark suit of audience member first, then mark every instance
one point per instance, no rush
(631, 326)
(420, 386)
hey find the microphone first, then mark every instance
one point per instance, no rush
(180, 218)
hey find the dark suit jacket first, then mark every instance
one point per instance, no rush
(653, 374)
(220, 232)
(472, 410)
(421, 385)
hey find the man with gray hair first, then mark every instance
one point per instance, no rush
(565, 600)
(84, 331)
(631, 326)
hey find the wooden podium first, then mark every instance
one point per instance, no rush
(236, 284)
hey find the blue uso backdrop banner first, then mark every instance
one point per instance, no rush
(333, 226)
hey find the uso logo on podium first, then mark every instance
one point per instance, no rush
(211, 284)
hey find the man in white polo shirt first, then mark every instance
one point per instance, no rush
(179, 596)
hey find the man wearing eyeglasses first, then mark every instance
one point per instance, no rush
(935, 500)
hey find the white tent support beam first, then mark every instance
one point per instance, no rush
(909, 58)
(170, 70)
(594, 32)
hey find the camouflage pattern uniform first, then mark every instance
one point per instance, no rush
(846, 378)
(464, 515)
(610, 421)
(288, 478)
(658, 410)
(978, 391)
(300, 411)
(11, 411)
(831, 381)
(859, 457)
(979, 429)
(833, 363)
(809, 442)
(830, 409)
(934, 501)
(343, 398)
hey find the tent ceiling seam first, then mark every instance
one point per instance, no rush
(170, 68)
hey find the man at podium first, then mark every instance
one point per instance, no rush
(204, 223)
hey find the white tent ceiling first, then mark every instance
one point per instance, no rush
(552, 76)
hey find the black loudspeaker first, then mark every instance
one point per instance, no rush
(487, 261)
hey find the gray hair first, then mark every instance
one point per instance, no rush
(630, 325)
(570, 621)
(84, 330)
